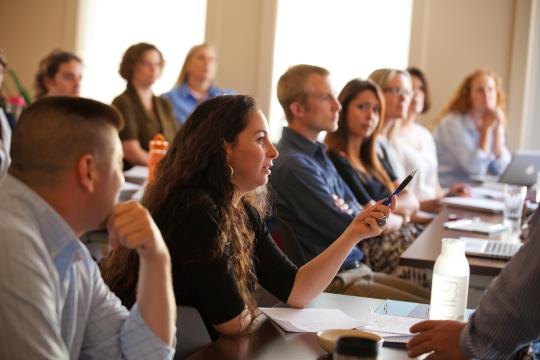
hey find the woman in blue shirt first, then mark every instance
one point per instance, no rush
(195, 83)
(470, 136)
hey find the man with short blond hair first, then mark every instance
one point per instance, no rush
(292, 86)
(64, 180)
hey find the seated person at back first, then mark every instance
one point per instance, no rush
(59, 74)
(471, 136)
(53, 301)
(416, 149)
(397, 87)
(145, 114)
(208, 200)
(195, 82)
(308, 193)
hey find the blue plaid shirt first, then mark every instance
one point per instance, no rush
(53, 301)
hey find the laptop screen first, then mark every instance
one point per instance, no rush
(523, 168)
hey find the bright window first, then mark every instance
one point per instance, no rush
(108, 27)
(350, 38)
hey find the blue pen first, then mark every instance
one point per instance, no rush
(401, 186)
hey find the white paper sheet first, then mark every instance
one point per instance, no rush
(311, 320)
(487, 193)
(396, 325)
(136, 174)
(474, 204)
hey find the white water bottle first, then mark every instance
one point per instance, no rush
(450, 284)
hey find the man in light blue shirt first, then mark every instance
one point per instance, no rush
(64, 180)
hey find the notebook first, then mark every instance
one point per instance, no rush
(475, 225)
(522, 169)
(483, 205)
(494, 249)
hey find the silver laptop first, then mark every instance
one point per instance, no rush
(494, 249)
(522, 169)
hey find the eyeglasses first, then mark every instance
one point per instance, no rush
(397, 91)
(323, 96)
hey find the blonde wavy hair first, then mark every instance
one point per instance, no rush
(183, 77)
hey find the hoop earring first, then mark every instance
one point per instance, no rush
(231, 170)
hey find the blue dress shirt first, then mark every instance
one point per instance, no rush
(303, 181)
(184, 102)
(53, 301)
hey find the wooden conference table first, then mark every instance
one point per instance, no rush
(426, 248)
(269, 341)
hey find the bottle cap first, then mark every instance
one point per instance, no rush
(158, 142)
(356, 346)
(451, 246)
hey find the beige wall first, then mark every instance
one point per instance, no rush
(29, 29)
(450, 39)
(243, 32)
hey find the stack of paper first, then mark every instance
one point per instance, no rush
(311, 320)
(487, 205)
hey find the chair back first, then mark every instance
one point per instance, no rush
(291, 246)
(191, 333)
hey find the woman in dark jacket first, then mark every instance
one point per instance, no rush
(145, 114)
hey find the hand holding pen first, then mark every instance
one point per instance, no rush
(382, 221)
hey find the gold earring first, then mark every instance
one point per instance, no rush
(231, 171)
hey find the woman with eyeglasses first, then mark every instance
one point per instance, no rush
(470, 135)
(145, 114)
(416, 149)
(396, 86)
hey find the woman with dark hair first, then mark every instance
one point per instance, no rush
(471, 135)
(59, 74)
(208, 201)
(353, 150)
(145, 115)
(195, 82)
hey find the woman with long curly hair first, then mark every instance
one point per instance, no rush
(208, 201)
(470, 135)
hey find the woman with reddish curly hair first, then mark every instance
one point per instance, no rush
(470, 135)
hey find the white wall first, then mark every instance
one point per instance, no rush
(243, 33)
(30, 29)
